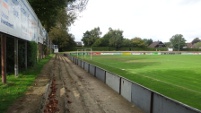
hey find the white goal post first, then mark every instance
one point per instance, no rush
(78, 51)
(90, 52)
(84, 52)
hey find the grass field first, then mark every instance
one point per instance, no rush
(176, 76)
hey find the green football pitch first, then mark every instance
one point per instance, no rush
(175, 76)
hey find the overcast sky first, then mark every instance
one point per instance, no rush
(155, 19)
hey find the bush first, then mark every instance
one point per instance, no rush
(123, 49)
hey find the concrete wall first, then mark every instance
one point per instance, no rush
(72, 58)
(163, 105)
(86, 66)
(146, 99)
(141, 97)
(75, 60)
(126, 89)
(83, 64)
(100, 74)
(113, 81)
(92, 69)
(79, 62)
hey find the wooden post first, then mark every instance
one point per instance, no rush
(25, 63)
(38, 52)
(16, 56)
(41, 51)
(50, 45)
(3, 58)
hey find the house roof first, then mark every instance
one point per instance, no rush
(157, 44)
(189, 45)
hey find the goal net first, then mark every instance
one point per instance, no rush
(88, 53)
(80, 52)
(85, 53)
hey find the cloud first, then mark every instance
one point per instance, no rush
(187, 2)
(156, 19)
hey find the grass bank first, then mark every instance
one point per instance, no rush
(17, 86)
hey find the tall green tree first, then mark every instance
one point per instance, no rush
(116, 38)
(59, 34)
(98, 42)
(195, 40)
(90, 37)
(178, 41)
(56, 16)
(48, 11)
(168, 44)
(61, 38)
(106, 38)
(104, 41)
(148, 41)
(197, 45)
(138, 42)
(126, 42)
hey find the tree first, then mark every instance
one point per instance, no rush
(197, 45)
(137, 42)
(89, 37)
(113, 38)
(61, 38)
(178, 41)
(106, 38)
(116, 38)
(168, 44)
(74, 5)
(64, 20)
(98, 42)
(195, 40)
(47, 11)
(148, 41)
(59, 34)
(126, 42)
(56, 17)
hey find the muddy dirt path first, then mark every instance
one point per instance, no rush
(75, 91)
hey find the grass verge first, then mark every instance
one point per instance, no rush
(17, 86)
